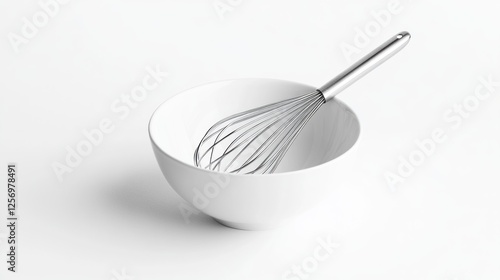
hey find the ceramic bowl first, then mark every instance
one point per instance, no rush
(317, 161)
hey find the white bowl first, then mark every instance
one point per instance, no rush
(316, 162)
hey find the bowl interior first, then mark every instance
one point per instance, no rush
(180, 122)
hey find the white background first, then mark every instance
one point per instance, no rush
(116, 214)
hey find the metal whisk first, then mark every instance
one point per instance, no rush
(255, 141)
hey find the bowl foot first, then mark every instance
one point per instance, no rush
(243, 226)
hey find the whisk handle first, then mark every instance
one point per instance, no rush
(365, 65)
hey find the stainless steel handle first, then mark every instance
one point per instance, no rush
(365, 65)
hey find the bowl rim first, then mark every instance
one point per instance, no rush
(250, 175)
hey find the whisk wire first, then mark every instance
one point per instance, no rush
(275, 137)
(274, 158)
(237, 118)
(257, 134)
(243, 130)
(268, 117)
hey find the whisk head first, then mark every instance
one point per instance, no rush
(255, 141)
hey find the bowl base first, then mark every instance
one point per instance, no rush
(243, 226)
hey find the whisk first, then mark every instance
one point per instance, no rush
(255, 141)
